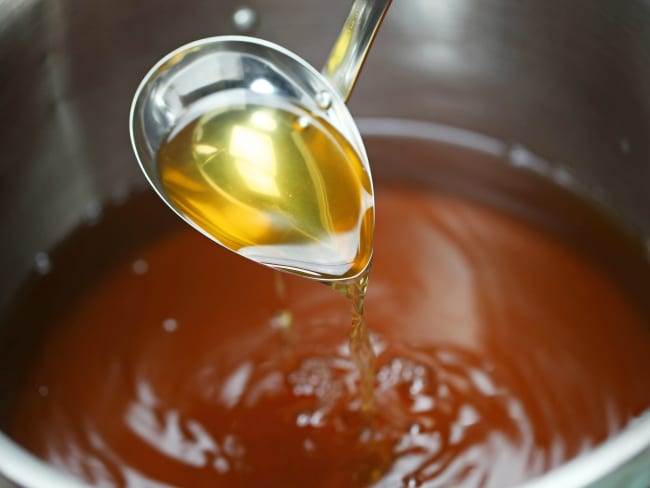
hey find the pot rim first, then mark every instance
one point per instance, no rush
(20, 466)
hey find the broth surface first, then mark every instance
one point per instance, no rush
(502, 350)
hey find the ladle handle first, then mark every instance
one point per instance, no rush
(351, 48)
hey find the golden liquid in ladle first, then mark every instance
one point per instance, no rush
(284, 188)
(277, 185)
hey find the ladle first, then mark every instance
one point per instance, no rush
(212, 72)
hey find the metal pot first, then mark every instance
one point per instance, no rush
(569, 80)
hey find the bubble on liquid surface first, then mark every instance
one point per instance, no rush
(140, 266)
(222, 465)
(313, 377)
(309, 445)
(404, 372)
(414, 428)
(302, 122)
(411, 482)
(282, 319)
(302, 420)
(170, 325)
(313, 419)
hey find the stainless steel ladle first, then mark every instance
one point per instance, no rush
(189, 81)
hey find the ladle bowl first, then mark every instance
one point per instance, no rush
(218, 73)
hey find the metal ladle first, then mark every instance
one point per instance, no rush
(186, 82)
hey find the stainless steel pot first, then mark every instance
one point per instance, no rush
(569, 80)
